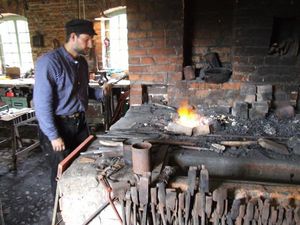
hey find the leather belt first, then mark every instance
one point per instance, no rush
(75, 115)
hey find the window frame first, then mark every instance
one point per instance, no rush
(14, 18)
(111, 13)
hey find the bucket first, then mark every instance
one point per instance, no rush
(141, 157)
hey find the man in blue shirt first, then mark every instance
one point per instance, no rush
(61, 94)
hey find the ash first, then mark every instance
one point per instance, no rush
(270, 126)
(153, 118)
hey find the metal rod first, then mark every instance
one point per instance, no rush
(97, 212)
(110, 199)
(55, 207)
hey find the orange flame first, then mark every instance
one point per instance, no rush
(187, 115)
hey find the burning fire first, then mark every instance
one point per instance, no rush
(188, 116)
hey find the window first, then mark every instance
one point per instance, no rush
(114, 40)
(15, 48)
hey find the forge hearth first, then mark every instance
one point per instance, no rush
(235, 147)
(188, 121)
(233, 150)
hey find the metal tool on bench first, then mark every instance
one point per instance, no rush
(128, 207)
(181, 198)
(234, 212)
(203, 190)
(219, 196)
(103, 79)
(204, 180)
(144, 196)
(171, 201)
(135, 200)
(107, 149)
(266, 212)
(196, 209)
(114, 165)
(153, 195)
(119, 189)
(162, 201)
(119, 79)
(97, 212)
(192, 173)
(249, 213)
(107, 187)
(104, 149)
(202, 205)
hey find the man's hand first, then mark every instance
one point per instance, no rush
(107, 88)
(58, 144)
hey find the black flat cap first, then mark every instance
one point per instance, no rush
(80, 26)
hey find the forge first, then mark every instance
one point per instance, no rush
(234, 147)
(234, 63)
(242, 170)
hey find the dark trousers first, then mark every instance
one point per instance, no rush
(73, 131)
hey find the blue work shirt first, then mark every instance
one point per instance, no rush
(61, 88)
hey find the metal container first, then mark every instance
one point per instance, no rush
(141, 157)
(127, 153)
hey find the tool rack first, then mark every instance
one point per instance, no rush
(12, 121)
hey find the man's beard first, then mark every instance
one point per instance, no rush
(82, 51)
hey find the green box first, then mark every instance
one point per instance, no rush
(15, 102)
(4, 108)
(7, 101)
(19, 102)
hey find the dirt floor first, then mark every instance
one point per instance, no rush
(25, 194)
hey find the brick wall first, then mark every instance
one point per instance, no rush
(211, 30)
(165, 35)
(240, 32)
(49, 17)
(252, 34)
(155, 44)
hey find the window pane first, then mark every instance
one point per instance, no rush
(12, 50)
(24, 38)
(12, 59)
(8, 31)
(9, 44)
(26, 66)
(22, 26)
(123, 21)
(10, 26)
(116, 54)
(25, 47)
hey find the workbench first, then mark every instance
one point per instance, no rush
(21, 82)
(29, 82)
(110, 107)
(12, 120)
